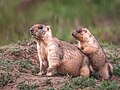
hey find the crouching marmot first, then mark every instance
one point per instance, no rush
(90, 46)
(56, 55)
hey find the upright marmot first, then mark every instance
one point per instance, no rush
(90, 46)
(56, 55)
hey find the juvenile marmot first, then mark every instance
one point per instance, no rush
(90, 46)
(56, 55)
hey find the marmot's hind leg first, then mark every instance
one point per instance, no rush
(85, 68)
(84, 71)
(110, 68)
(104, 72)
(52, 69)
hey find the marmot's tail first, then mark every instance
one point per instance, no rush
(110, 68)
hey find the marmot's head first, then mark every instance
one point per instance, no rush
(81, 34)
(40, 31)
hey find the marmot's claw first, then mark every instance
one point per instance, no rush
(41, 73)
(49, 74)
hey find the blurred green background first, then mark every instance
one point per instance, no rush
(102, 17)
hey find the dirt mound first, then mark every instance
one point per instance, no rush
(19, 51)
(19, 67)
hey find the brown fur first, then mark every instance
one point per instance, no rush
(58, 56)
(90, 46)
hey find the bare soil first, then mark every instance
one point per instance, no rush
(19, 67)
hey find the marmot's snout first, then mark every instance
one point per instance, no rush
(76, 32)
(73, 33)
(37, 30)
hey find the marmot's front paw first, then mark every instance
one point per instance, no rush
(51, 72)
(41, 73)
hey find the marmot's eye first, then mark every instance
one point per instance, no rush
(82, 48)
(48, 29)
(79, 31)
(40, 27)
(85, 31)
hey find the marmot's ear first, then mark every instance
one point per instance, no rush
(48, 27)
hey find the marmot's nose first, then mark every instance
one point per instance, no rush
(73, 33)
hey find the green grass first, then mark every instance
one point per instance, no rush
(24, 64)
(102, 17)
(89, 84)
(79, 83)
(51, 88)
(5, 78)
(7, 65)
(35, 70)
(24, 86)
(116, 67)
(108, 85)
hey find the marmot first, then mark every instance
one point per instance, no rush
(90, 46)
(56, 55)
